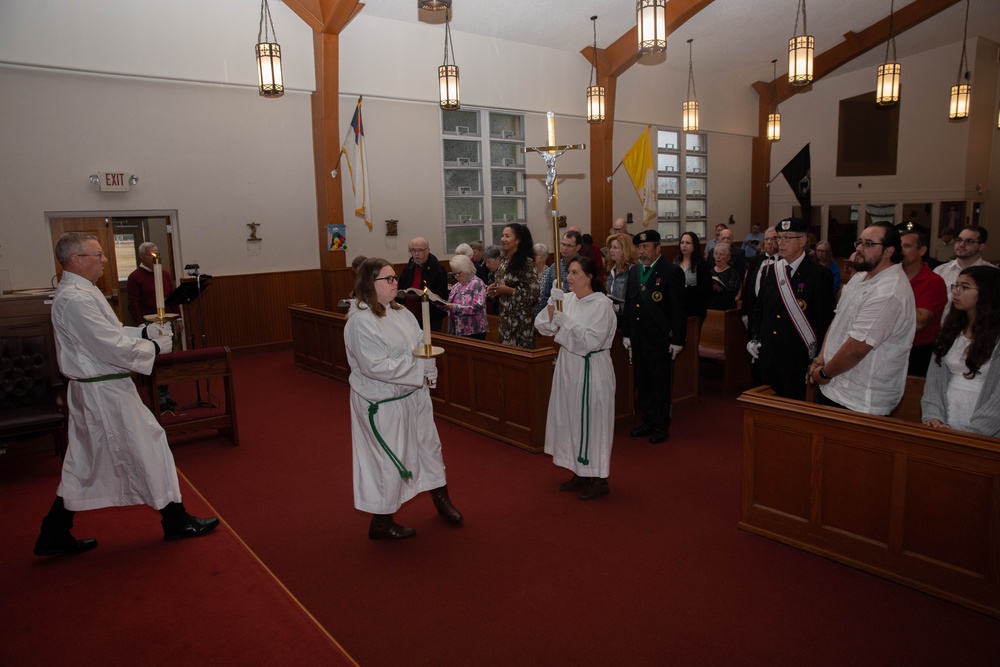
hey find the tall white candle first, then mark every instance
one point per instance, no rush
(425, 314)
(158, 281)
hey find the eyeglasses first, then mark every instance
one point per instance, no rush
(961, 241)
(567, 245)
(414, 251)
(389, 279)
(866, 244)
(787, 238)
(91, 254)
(961, 287)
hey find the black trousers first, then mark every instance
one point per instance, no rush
(651, 364)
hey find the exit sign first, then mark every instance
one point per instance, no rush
(114, 181)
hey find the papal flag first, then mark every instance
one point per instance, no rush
(798, 174)
(353, 148)
(639, 164)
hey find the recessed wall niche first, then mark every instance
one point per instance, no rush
(867, 137)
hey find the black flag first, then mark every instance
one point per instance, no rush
(796, 172)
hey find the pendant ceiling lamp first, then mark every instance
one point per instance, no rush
(800, 51)
(961, 93)
(689, 117)
(595, 92)
(433, 5)
(651, 22)
(774, 118)
(269, 82)
(448, 73)
(887, 83)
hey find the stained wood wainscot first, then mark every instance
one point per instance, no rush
(916, 505)
(500, 391)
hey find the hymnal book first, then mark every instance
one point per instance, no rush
(403, 293)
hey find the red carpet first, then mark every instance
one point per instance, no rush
(137, 600)
(655, 573)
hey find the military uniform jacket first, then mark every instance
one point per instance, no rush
(812, 285)
(663, 291)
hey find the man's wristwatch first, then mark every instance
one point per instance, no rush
(822, 374)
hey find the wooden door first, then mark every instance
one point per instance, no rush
(101, 228)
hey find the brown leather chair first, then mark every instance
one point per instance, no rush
(32, 393)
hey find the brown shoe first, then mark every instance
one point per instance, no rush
(383, 527)
(573, 483)
(444, 507)
(598, 487)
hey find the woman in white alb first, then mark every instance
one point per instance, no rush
(397, 451)
(962, 390)
(580, 425)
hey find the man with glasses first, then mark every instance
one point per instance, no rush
(117, 454)
(862, 366)
(968, 252)
(929, 295)
(792, 310)
(424, 270)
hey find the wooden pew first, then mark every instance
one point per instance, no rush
(723, 342)
(913, 504)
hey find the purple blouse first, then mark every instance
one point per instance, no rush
(470, 315)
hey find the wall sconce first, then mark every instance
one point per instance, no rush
(887, 81)
(651, 21)
(595, 93)
(433, 5)
(689, 117)
(133, 180)
(774, 118)
(961, 93)
(800, 51)
(269, 81)
(95, 179)
(448, 74)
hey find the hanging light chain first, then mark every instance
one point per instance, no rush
(447, 37)
(892, 32)
(593, 70)
(265, 9)
(774, 85)
(691, 87)
(801, 8)
(964, 62)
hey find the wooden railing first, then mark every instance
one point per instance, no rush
(917, 505)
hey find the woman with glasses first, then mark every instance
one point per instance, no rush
(962, 390)
(467, 301)
(396, 448)
(726, 282)
(579, 427)
(516, 286)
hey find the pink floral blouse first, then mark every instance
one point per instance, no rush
(469, 316)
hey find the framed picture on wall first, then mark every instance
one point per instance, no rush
(952, 215)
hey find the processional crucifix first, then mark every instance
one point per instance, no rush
(550, 153)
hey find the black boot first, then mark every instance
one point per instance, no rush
(444, 507)
(573, 483)
(383, 527)
(56, 538)
(178, 524)
(597, 487)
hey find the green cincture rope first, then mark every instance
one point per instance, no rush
(584, 452)
(372, 411)
(102, 378)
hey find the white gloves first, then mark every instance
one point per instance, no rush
(675, 350)
(627, 343)
(753, 347)
(431, 371)
(164, 344)
(555, 296)
(154, 329)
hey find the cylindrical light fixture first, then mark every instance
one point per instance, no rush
(800, 51)
(774, 126)
(269, 81)
(774, 118)
(448, 72)
(689, 112)
(595, 91)
(433, 5)
(887, 81)
(651, 22)
(961, 93)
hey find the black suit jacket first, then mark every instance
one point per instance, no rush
(434, 278)
(666, 289)
(812, 285)
(749, 296)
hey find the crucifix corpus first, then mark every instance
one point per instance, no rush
(550, 154)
